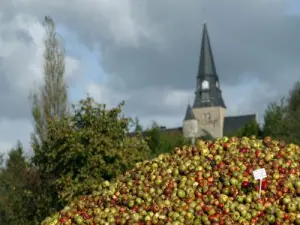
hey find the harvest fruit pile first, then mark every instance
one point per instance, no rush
(210, 183)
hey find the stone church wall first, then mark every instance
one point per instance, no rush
(211, 120)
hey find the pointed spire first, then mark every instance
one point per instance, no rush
(189, 115)
(207, 64)
(208, 92)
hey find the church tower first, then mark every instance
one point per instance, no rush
(209, 108)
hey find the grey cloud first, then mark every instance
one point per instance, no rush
(21, 64)
(241, 42)
(248, 37)
(250, 41)
(15, 103)
(24, 36)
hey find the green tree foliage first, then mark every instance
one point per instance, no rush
(138, 128)
(19, 188)
(153, 137)
(89, 146)
(251, 128)
(275, 120)
(293, 110)
(282, 121)
(1, 161)
(160, 141)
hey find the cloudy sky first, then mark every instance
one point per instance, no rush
(146, 53)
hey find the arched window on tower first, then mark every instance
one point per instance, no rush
(205, 84)
(217, 84)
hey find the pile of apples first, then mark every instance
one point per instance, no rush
(210, 183)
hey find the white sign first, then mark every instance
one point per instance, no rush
(259, 174)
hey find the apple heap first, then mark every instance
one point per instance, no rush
(210, 183)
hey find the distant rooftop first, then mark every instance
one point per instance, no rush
(231, 125)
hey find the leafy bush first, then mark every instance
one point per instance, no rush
(87, 147)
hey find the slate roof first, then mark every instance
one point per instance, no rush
(216, 100)
(173, 131)
(189, 115)
(233, 123)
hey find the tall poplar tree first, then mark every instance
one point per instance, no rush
(49, 102)
(51, 99)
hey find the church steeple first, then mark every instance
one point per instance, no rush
(208, 93)
(207, 64)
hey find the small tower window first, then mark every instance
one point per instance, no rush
(217, 84)
(205, 97)
(205, 85)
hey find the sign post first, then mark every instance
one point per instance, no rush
(260, 174)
